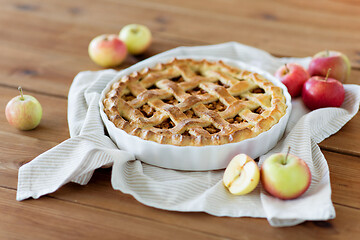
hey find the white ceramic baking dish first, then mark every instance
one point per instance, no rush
(194, 158)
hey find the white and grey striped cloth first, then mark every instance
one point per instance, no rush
(88, 149)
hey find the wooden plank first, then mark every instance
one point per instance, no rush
(19, 147)
(52, 72)
(233, 228)
(345, 186)
(346, 140)
(53, 126)
(99, 194)
(46, 45)
(344, 178)
(50, 218)
(354, 77)
(250, 23)
(54, 42)
(57, 52)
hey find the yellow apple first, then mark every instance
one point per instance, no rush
(242, 175)
(23, 112)
(285, 176)
(137, 38)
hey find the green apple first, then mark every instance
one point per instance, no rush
(242, 175)
(107, 50)
(137, 38)
(285, 176)
(23, 112)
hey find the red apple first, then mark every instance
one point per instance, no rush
(107, 50)
(338, 62)
(319, 92)
(23, 112)
(293, 76)
(285, 176)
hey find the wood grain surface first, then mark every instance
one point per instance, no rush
(43, 45)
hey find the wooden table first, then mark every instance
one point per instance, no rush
(43, 45)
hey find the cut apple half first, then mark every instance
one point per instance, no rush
(242, 175)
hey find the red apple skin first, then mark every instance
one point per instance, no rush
(318, 93)
(293, 78)
(107, 50)
(338, 62)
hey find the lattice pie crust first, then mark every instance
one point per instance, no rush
(187, 102)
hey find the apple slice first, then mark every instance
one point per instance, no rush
(242, 175)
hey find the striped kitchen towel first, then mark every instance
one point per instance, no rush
(89, 148)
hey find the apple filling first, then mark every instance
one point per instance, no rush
(186, 133)
(167, 124)
(241, 98)
(128, 97)
(190, 114)
(219, 106)
(152, 87)
(196, 91)
(172, 100)
(147, 110)
(178, 79)
(258, 90)
(222, 84)
(235, 120)
(199, 73)
(212, 129)
(259, 110)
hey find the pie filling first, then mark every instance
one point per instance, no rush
(236, 120)
(208, 114)
(147, 110)
(167, 124)
(196, 91)
(216, 106)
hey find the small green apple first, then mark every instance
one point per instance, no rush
(23, 112)
(242, 175)
(137, 38)
(285, 176)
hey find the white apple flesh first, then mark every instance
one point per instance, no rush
(23, 112)
(242, 175)
(285, 176)
(137, 38)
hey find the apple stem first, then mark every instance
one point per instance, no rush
(286, 68)
(327, 74)
(21, 93)
(135, 30)
(327, 53)
(287, 154)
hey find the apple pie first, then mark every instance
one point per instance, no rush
(188, 102)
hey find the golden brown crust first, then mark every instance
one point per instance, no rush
(187, 102)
